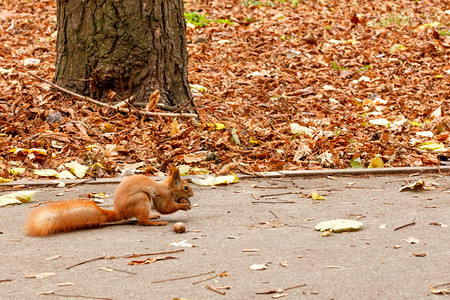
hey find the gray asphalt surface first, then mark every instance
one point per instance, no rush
(373, 263)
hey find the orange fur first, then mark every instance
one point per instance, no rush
(134, 197)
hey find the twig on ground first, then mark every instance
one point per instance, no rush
(440, 285)
(81, 182)
(148, 254)
(180, 278)
(273, 214)
(75, 296)
(205, 279)
(124, 110)
(211, 288)
(86, 261)
(363, 187)
(403, 226)
(280, 194)
(281, 201)
(280, 290)
(122, 256)
(117, 270)
(269, 187)
(184, 105)
(294, 287)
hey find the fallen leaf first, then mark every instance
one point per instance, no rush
(381, 122)
(219, 180)
(65, 175)
(258, 267)
(397, 47)
(46, 172)
(429, 146)
(411, 240)
(316, 196)
(181, 244)
(339, 225)
(415, 186)
(298, 129)
(376, 162)
(17, 197)
(77, 169)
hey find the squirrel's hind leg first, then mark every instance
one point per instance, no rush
(142, 214)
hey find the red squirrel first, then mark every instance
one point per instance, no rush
(134, 197)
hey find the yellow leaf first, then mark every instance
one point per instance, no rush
(16, 171)
(4, 180)
(92, 147)
(429, 146)
(219, 126)
(316, 196)
(376, 162)
(211, 180)
(17, 197)
(256, 142)
(65, 175)
(434, 24)
(46, 172)
(77, 169)
(397, 47)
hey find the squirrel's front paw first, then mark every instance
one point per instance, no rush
(184, 206)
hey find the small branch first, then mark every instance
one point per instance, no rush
(294, 287)
(148, 254)
(273, 214)
(117, 270)
(77, 296)
(122, 256)
(81, 182)
(403, 226)
(211, 288)
(184, 105)
(364, 187)
(274, 202)
(86, 261)
(180, 278)
(205, 279)
(269, 187)
(280, 194)
(441, 285)
(124, 110)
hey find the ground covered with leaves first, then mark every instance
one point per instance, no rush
(277, 85)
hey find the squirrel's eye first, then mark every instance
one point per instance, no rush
(186, 188)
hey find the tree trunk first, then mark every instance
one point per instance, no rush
(105, 45)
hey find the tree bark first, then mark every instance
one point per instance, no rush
(105, 45)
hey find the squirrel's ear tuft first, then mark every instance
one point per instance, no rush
(174, 173)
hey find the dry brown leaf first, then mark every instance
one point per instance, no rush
(153, 101)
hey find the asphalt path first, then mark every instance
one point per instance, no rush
(263, 223)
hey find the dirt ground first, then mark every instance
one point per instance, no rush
(232, 228)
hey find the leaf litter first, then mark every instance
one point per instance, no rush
(333, 71)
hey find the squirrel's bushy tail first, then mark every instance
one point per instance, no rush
(67, 216)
